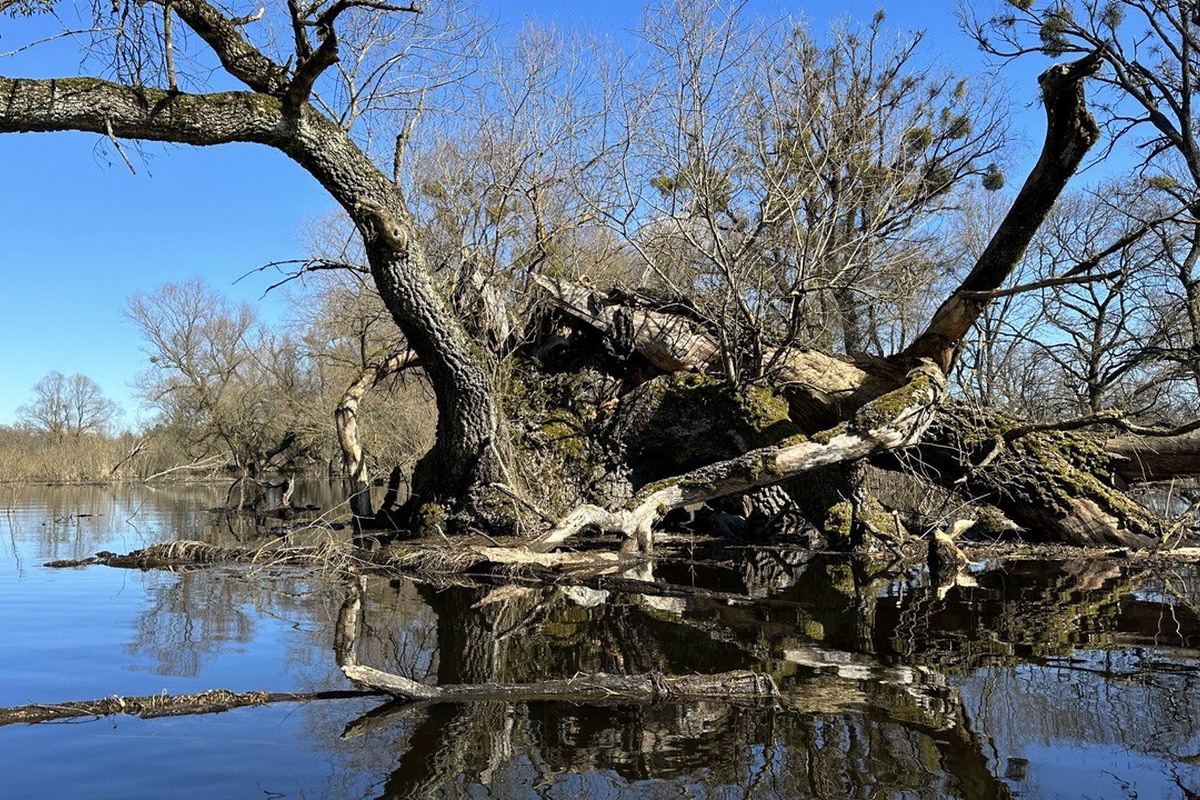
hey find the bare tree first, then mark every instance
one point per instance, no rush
(793, 181)
(1149, 51)
(223, 385)
(68, 407)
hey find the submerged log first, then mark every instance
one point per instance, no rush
(648, 687)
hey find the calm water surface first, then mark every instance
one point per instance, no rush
(1044, 680)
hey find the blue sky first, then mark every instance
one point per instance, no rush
(79, 235)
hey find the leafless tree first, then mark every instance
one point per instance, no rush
(1150, 56)
(312, 81)
(66, 407)
(794, 181)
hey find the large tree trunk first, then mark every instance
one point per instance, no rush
(1057, 485)
(1070, 133)
(466, 411)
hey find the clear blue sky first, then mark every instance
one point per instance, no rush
(78, 236)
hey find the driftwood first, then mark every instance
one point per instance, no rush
(211, 701)
(648, 687)
(892, 421)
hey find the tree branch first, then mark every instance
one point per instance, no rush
(239, 58)
(1070, 133)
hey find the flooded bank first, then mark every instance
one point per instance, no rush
(1030, 679)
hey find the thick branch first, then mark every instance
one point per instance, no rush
(240, 58)
(97, 106)
(1070, 133)
(894, 420)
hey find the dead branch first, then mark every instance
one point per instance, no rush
(668, 341)
(210, 463)
(647, 687)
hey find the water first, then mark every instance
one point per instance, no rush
(1044, 680)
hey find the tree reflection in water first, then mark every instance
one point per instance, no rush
(890, 690)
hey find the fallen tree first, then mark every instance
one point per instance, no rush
(1060, 483)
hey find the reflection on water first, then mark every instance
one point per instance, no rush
(1044, 679)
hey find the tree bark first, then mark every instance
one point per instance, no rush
(211, 701)
(1057, 485)
(821, 389)
(1070, 133)
(1138, 459)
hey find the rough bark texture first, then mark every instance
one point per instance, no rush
(211, 701)
(1057, 485)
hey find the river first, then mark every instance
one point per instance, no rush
(1043, 680)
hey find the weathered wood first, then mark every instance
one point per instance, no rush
(668, 341)
(646, 687)
(1155, 458)
(895, 420)
(821, 389)
(345, 417)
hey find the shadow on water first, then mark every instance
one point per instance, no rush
(1030, 679)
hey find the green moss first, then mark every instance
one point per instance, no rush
(694, 420)
(882, 410)
(828, 435)
(839, 520)
(1046, 470)
(430, 517)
